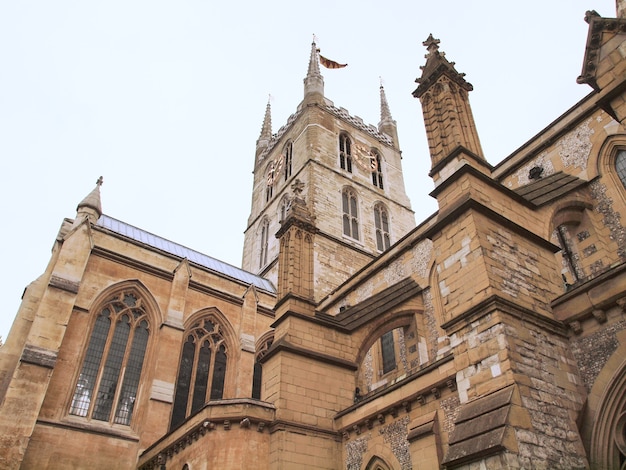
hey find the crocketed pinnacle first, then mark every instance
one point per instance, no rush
(385, 113)
(387, 125)
(314, 62)
(437, 65)
(314, 82)
(266, 128)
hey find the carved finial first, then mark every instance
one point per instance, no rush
(431, 44)
(100, 181)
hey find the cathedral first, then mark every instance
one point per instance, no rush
(491, 335)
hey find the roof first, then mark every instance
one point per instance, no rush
(129, 231)
(548, 188)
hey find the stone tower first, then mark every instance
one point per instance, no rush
(352, 182)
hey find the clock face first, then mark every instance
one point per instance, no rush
(365, 159)
(274, 168)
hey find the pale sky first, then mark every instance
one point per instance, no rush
(165, 100)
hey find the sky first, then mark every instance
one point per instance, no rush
(165, 100)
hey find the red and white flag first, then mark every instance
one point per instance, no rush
(330, 64)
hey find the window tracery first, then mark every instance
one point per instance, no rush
(113, 362)
(202, 369)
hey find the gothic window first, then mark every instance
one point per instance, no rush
(265, 229)
(284, 207)
(377, 170)
(202, 370)
(620, 166)
(113, 362)
(381, 222)
(388, 352)
(288, 155)
(350, 214)
(345, 153)
(258, 369)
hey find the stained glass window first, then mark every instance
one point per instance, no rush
(203, 362)
(113, 362)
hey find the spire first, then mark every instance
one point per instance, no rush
(314, 82)
(90, 207)
(266, 130)
(387, 125)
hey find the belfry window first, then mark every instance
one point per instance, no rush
(288, 155)
(113, 362)
(202, 370)
(377, 170)
(620, 166)
(350, 213)
(265, 229)
(345, 153)
(381, 223)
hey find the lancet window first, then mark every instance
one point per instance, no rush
(377, 170)
(381, 223)
(345, 153)
(350, 213)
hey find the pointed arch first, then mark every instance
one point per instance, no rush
(604, 424)
(345, 152)
(377, 168)
(382, 227)
(288, 163)
(107, 388)
(350, 212)
(262, 346)
(380, 456)
(283, 208)
(208, 348)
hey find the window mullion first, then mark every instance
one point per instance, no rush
(194, 371)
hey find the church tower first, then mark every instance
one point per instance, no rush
(349, 174)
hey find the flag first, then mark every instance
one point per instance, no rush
(330, 64)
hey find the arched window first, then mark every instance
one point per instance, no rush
(345, 153)
(284, 208)
(288, 155)
(381, 222)
(202, 369)
(258, 369)
(265, 229)
(350, 213)
(620, 166)
(113, 362)
(377, 170)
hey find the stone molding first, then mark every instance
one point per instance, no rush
(64, 284)
(39, 356)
